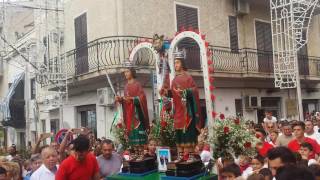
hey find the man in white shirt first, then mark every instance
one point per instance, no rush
(310, 133)
(269, 119)
(49, 167)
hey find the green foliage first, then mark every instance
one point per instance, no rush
(120, 135)
(231, 136)
(163, 131)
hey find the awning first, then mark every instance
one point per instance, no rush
(4, 106)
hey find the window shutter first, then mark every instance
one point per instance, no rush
(233, 30)
(186, 17)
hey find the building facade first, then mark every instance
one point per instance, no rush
(99, 36)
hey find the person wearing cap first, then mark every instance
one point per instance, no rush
(135, 111)
(187, 118)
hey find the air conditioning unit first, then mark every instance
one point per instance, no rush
(242, 7)
(105, 97)
(251, 102)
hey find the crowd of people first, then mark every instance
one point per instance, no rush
(287, 150)
(84, 158)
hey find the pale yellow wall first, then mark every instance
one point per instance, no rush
(144, 18)
(314, 37)
(101, 19)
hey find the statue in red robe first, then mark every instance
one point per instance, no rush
(135, 111)
(187, 117)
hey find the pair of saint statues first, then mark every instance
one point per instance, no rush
(187, 117)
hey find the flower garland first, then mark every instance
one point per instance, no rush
(231, 136)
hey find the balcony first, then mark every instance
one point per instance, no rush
(254, 63)
(107, 52)
(111, 52)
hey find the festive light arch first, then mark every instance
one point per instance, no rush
(148, 45)
(206, 62)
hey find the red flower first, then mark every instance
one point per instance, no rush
(214, 114)
(237, 121)
(247, 145)
(222, 116)
(226, 130)
(258, 136)
(163, 124)
(119, 125)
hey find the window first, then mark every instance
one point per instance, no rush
(233, 31)
(43, 125)
(303, 57)
(239, 107)
(264, 46)
(81, 40)
(186, 17)
(88, 117)
(33, 88)
(54, 125)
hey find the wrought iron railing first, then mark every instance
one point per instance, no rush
(111, 52)
(108, 52)
(251, 61)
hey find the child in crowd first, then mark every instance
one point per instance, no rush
(306, 151)
(231, 172)
(266, 173)
(257, 163)
(243, 163)
(151, 150)
(273, 137)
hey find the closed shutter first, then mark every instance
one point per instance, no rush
(81, 40)
(233, 30)
(188, 17)
(264, 46)
(303, 57)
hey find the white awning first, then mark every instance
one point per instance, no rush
(4, 106)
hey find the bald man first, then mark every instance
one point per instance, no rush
(49, 167)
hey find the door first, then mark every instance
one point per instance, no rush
(264, 46)
(81, 40)
(88, 117)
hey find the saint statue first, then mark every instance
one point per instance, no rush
(135, 112)
(187, 117)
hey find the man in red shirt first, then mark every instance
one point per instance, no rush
(82, 165)
(298, 131)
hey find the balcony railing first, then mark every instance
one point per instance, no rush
(251, 61)
(108, 52)
(111, 52)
